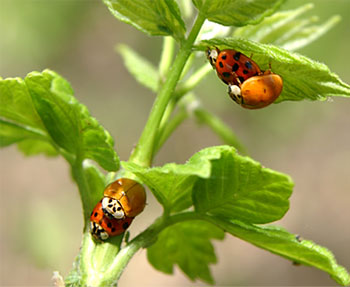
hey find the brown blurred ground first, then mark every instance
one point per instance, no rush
(40, 209)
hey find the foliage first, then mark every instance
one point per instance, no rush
(218, 190)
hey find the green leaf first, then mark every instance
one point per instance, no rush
(188, 245)
(276, 22)
(11, 133)
(284, 30)
(16, 105)
(57, 114)
(240, 188)
(302, 37)
(154, 17)
(96, 182)
(42, 111)
(172, 183)
(236, 12)
(143, 71)
(303, 78)
(31, 147)
(69, 122)
(277, 240)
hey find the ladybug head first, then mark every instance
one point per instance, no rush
(235, 93)
(97, 231)
(212, 55)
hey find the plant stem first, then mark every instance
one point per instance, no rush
(220, 128)
(143, 153)
(168, 129)
(166, 57)
(143, 240)
(194, 80)
(85, 194)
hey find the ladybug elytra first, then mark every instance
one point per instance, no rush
(232, 67)
(258, 91)
(123, 198)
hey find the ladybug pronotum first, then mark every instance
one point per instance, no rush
(123, 198)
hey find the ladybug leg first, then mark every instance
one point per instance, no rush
(237, 79)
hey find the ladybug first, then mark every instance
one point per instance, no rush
(232, 67)
(123, 198)
(102, 227)
(258, 91)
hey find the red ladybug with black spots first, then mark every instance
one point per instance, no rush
(232, 67)
(102, 227)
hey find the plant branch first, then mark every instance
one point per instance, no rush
(166, 57)
(169, 128)
(143, 153)
(220, 128)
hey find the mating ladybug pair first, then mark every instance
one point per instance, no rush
(248, 86)
(122, 201)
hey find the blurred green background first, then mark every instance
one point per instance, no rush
(40, 207)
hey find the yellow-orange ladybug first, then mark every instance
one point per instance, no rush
(258, 91)
(123, 198)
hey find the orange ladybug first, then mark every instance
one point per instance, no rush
(102, 227)
(258, 91)
(232, 67)
(123, 198)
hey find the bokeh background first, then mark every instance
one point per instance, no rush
(41, 220)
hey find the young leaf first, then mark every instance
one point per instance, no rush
(16, 105)
(284, 30)
(240, 188)
(188, 245)
(236, 12)
(306, 35)
(58, 116)
(143, 71)
(154, 17)
(42, 111)
(303, 78)
(277, 240)
(172, 183)
(270, 24)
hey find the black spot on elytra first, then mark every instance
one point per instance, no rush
(241, 79)
(223, 57)
(110, 205)
(235, 67)
(221, 64)
(119, 208)
(114, 209)
(113, 229)
(109, 225)
(245, 72)
(249, 65)
(110, 200)
(226, 74)
(237, 56)
(95, 214)
(125, 225)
